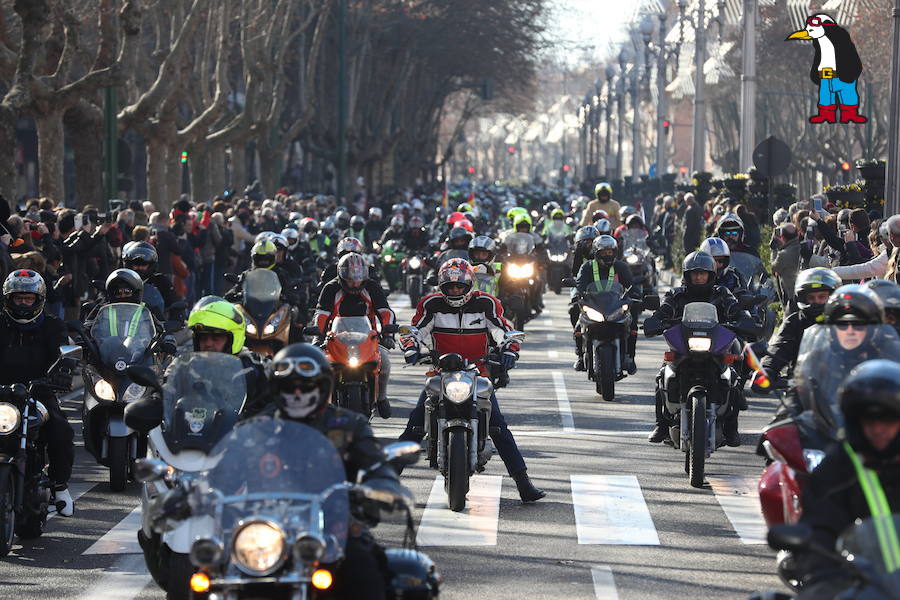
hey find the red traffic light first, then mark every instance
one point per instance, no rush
(471, 170)
(845, 166)
(511, 149)
(566, 168)
(666, 125)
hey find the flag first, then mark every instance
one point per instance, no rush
(471, 199)
(760, 378)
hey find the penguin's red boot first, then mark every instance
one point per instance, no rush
(827, 114)
(849, 114)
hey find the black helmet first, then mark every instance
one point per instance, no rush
(634, 222)
(140, 257)
(300, 379)
(889, 294)
(854, 304)
(413, 575)
(699, 261)
(459, 238)
(814, 280)
(605, 249)
(124, 285)
(24, 281)
(871, 391)
(357, 223)
(342, 218)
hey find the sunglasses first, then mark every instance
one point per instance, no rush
(853, 326)
(305, 367)
(731, 233)
(817, 22)
(722, 261)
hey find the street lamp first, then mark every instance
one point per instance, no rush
(610, 74)
(661, 108)
(748, 87)
(624, 59)
(892, 194)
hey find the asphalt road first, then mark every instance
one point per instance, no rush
(620, 519)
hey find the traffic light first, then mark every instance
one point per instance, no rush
(845, 166)
(184, 157)
(471, 170)
(666, 125)
(511, 149)
(566, 168)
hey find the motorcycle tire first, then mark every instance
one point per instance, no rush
(414, 289)
(118, 463)
(178, 577)
(697, 447)
(457, 481)
(357, 402)
(7, 512)
(520, 320)
(589, 358)
(606, 372)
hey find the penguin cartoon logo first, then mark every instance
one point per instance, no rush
(835, 69)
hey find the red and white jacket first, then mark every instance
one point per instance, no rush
(468, 330)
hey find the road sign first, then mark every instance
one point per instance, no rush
(771, 157)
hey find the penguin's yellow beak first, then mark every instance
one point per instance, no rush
(799, 35)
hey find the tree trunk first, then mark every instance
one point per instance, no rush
(51, 152)
(217, 176)
(157, 154)
(85, 124)
(200, 170)
(8, 175)
(238, 167)
(173, 176)
(269, 168)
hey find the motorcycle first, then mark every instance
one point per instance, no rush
(518, 277)
(121, 335)
(279, 528)
(604, 320)
(202, 399)
(871, 569)
(762, 290)
(268, 317)
(25, 489)
(560, 262)
(413, 274)
(797, 444)
(392, 255)
(698, 384)
(352, 346)
(637, 255)
(457, 417)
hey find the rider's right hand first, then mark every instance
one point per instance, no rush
(412, 356)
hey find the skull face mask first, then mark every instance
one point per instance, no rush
(299, 404)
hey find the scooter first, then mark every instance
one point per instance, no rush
(269, 318)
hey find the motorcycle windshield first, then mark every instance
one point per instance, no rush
(450, 254)
(746, 264)
(826, 356)
(605, 296)
(634, 238)
(556, 229)
(262, 290)
(864, 539)
(700, 315)
(123, 333)
(202, 398)
(351, 331)
(520, 243)
(558, 245)
(154, 300)
(278, 470)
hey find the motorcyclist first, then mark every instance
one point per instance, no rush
(889, 293)
(482, 251)
(216, 326)
(857, 479)
(522, 225)
(122, 285)
(357, 229)
(142, 258)
(604, 201)
(354, 294)
(375, 227)
(698, 285)
(345, 246)
(556, 224)
(317, 242)
(395, 231)
(481, 324)
(633, 223)
(29, 345)
(812, 288)
(458, 241)
(605, 267)
(730, 228)
(416, 236)
(342, 223)
(584, 238)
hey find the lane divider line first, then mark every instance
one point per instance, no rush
(123, 581)
(604, 583)
(121, 539)
(552, 354)
(739, 499)
(562, 400)
(475, 526)
(610, 509)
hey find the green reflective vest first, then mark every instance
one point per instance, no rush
(880, 509)
(611, 277)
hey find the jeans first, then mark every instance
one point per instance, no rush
(206, 282)
(503, 439)
(834, 91)
(57, 434)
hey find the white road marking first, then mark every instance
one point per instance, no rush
(551, 337)
(610, 509)
(604, 583)
(580, 432)
(474, 526)
(123, 581)
(739, 499)
(121, 539)
(552, 354)
(562, 400)
(548, 322)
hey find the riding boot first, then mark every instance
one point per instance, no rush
(579, 351)
(730, 429)
(661, 429)
(630, 364)
(383, 405)
(527, 491)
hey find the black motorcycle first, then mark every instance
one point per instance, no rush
(25, 489)
(519, 278)
(414, 267)
(121, 335)
(560, 264)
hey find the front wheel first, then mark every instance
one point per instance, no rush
(519, 320)
(697, 446)
(118, 463)
(414, 289)
(457, 470)
(7, 512)
(606, 370)
(178, 577)
(356, 401)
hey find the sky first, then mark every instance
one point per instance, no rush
(595, 23)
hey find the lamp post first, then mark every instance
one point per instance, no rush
(342, 100)
(624, 57)
(661, 101)
(610, 74)
(645, 29)
(591, 132)
(892, 195)
(596, 119)
(748, 87)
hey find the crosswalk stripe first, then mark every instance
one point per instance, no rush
(123, 581)
(610, 509)
(604, 583)
(121, 539)
(552, 354)
(474, 526)
(562, 400)
(739, 499)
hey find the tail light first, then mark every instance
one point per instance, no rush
(784, 446)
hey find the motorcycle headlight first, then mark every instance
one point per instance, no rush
(632, 259)
(558, 257)
(134, 392)
(458, 391)
(812, 458)
(521, 271)
(9, 418)
(699, 344)
(259, 548)
(389, 258)
(251, 328)
(415, 263)
(353, 357)
(594, 315)
(104, 390)
(272, 325)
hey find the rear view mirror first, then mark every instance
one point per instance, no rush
(73, 352)
(651, 302)
(431, 280)
(144, 376)
(402, 453)
(407, 330)
(150, 469)
(145, 414)
(390, 329)
(569, 282)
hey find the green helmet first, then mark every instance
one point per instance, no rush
(464, 207)
(557, 214)
(213, 314)
(602, 186)
(263, 255)
(516, 210)
(522, 218)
